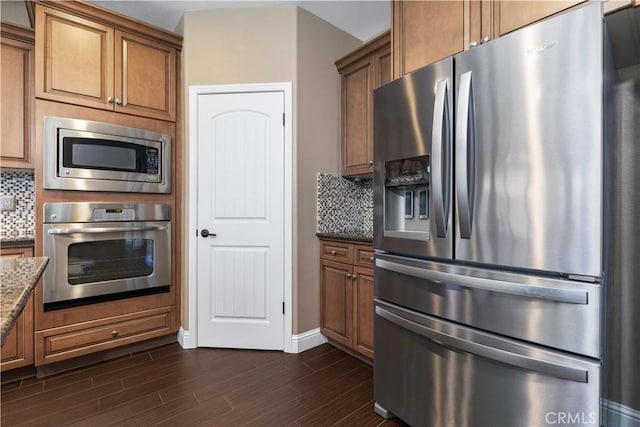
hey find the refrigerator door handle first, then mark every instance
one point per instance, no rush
(572, 296)
(465, 155)
(487, 352)
(441, 138)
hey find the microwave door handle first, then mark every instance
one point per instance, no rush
(441, 137)
(102, 230)
(465, 155)
(520, 361)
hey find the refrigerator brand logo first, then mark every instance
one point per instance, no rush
(570, 418)
(541, 49)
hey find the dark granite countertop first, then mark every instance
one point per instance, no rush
(18, 278)
(351, 236)
(19, 243)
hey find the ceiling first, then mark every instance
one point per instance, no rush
(362, 19)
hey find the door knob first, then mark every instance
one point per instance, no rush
(205, 233)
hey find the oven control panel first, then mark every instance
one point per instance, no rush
(124, 214)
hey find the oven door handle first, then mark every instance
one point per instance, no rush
(101, 230)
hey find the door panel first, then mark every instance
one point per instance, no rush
(529, 147)
(77, 62)
(450, 375)
(515, 305)
(241, 205)
(407, 127)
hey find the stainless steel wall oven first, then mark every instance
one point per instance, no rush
(103, 252)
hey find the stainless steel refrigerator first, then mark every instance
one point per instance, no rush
(491, 221)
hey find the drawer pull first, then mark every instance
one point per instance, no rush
(333, 252)
(114, 334)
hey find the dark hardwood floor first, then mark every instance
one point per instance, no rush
(169, 386)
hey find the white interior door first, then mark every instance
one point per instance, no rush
(240, 199)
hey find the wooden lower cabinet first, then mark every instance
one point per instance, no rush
(337, 302)
(17, 350)
(363, 311)
(347, 295)
(65, 342)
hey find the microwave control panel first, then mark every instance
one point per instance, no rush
(153, 160)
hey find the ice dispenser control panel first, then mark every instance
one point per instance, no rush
(407, 196)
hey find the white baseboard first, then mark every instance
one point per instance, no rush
(185, 339)
(307, 340)
(617, 415)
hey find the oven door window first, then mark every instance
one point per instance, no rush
(104, 260)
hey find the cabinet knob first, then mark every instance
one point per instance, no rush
(473, 44)
(333, 252)
(118, 101)
(371, 259)
(114, 334)
(484, 39)
(110, 100)
(348, 276)
(370, 162)
(354, 276)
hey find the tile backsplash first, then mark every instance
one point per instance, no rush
(344, 205)
(19, 224)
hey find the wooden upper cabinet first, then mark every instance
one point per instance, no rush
(362, 71)
(510, 15)
(94, 63)
(424, 32)
(145, 77)
(16, 96)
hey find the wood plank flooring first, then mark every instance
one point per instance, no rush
(169, 386)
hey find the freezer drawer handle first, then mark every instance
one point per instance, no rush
(572, 296)
(441, 138)
(64, 231)
(465, 155)
(509, 358)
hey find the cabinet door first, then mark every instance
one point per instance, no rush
(511, 15)
(74, 59)
(357, 126)
(336, 288)
(145, 77)
(363, 311)
(17, 350)
(424, 32)
(382, 62)
(16, 102)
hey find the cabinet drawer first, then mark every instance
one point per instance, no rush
(62, 343)
(336, 251)
(364, 255)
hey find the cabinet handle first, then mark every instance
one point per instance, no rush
(118, 101)
(333, 252)
(110, 100)
(114, 334)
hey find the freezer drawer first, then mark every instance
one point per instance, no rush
(563, 314)
(430, 372)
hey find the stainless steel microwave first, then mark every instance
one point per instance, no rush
(93, 156)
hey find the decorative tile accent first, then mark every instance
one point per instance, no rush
(344, 206)
(19, 224)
